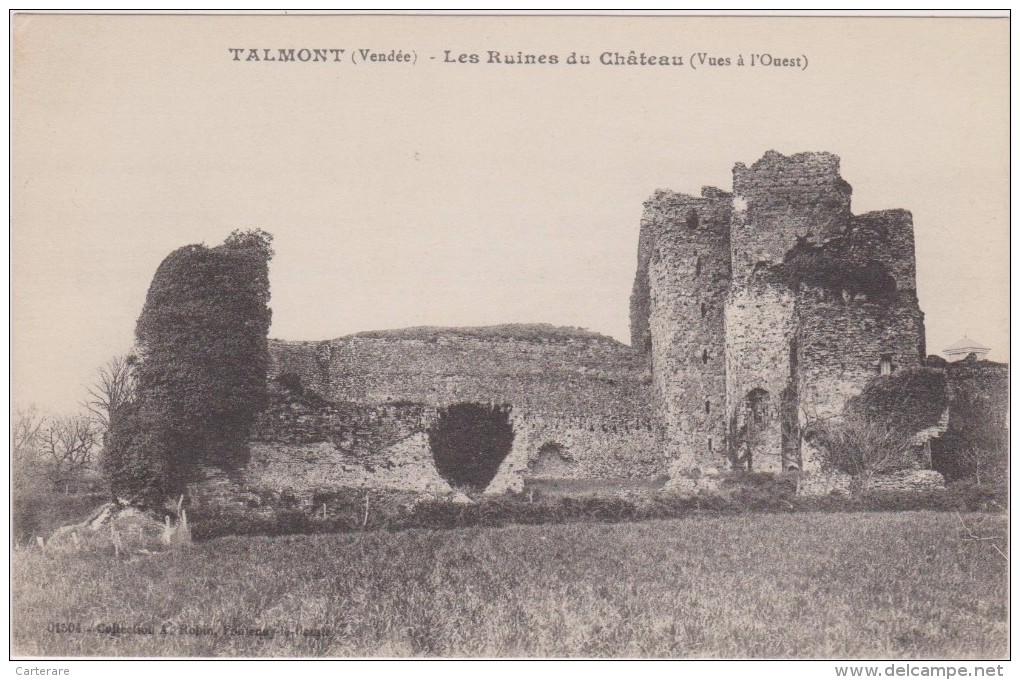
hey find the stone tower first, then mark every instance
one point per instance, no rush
(680, 296)
(780, 199)
(762, 309)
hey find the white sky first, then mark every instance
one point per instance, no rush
(448, 194)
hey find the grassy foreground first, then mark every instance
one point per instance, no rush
(805, 585)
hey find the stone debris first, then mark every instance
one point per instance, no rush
(117, 529)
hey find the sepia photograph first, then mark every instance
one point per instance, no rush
(505, 336)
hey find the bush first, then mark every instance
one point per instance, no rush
(469, 442)
(908, 400)
(40, 512)
(980, 497)
(205, 525)
(739, 493)
(977, 442)
(862, 447)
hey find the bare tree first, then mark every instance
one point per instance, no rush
(985, 463)
(114, 386)
(26, 426)
(69, 443)
(26, 435)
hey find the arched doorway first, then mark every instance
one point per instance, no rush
(755, 428)
(552, 460)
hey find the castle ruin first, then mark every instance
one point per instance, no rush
(762, 308)
(752, 312)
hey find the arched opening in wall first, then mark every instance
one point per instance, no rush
(692, 219)
(757, 411)
(551, 450)
(469, 442)
(552, 460)
(756, 424)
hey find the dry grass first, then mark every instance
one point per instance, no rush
(807, 585)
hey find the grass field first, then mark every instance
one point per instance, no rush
(805, 585)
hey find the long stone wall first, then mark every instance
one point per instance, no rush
(306, 445)
(569, 374)
(355, 412)
(577, 448)
(309, 360)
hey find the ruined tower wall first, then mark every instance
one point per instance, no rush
(886, 237)
(780, 198)
(761, 324)
(640, 296)
(688, 277)
(841, 343)
(779, 201)
(844, 334)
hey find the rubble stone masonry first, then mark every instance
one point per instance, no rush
(808, 304)
(751, 312)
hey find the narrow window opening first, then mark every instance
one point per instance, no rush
(710, 445)
(708, 406)
(697, 267)
(885, 365)
(704, 310)
(692, 219)
(704, 356)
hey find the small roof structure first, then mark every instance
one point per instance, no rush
(965, 346)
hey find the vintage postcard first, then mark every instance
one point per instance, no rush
(500, 336)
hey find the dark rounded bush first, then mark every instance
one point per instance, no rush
(469, 442)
